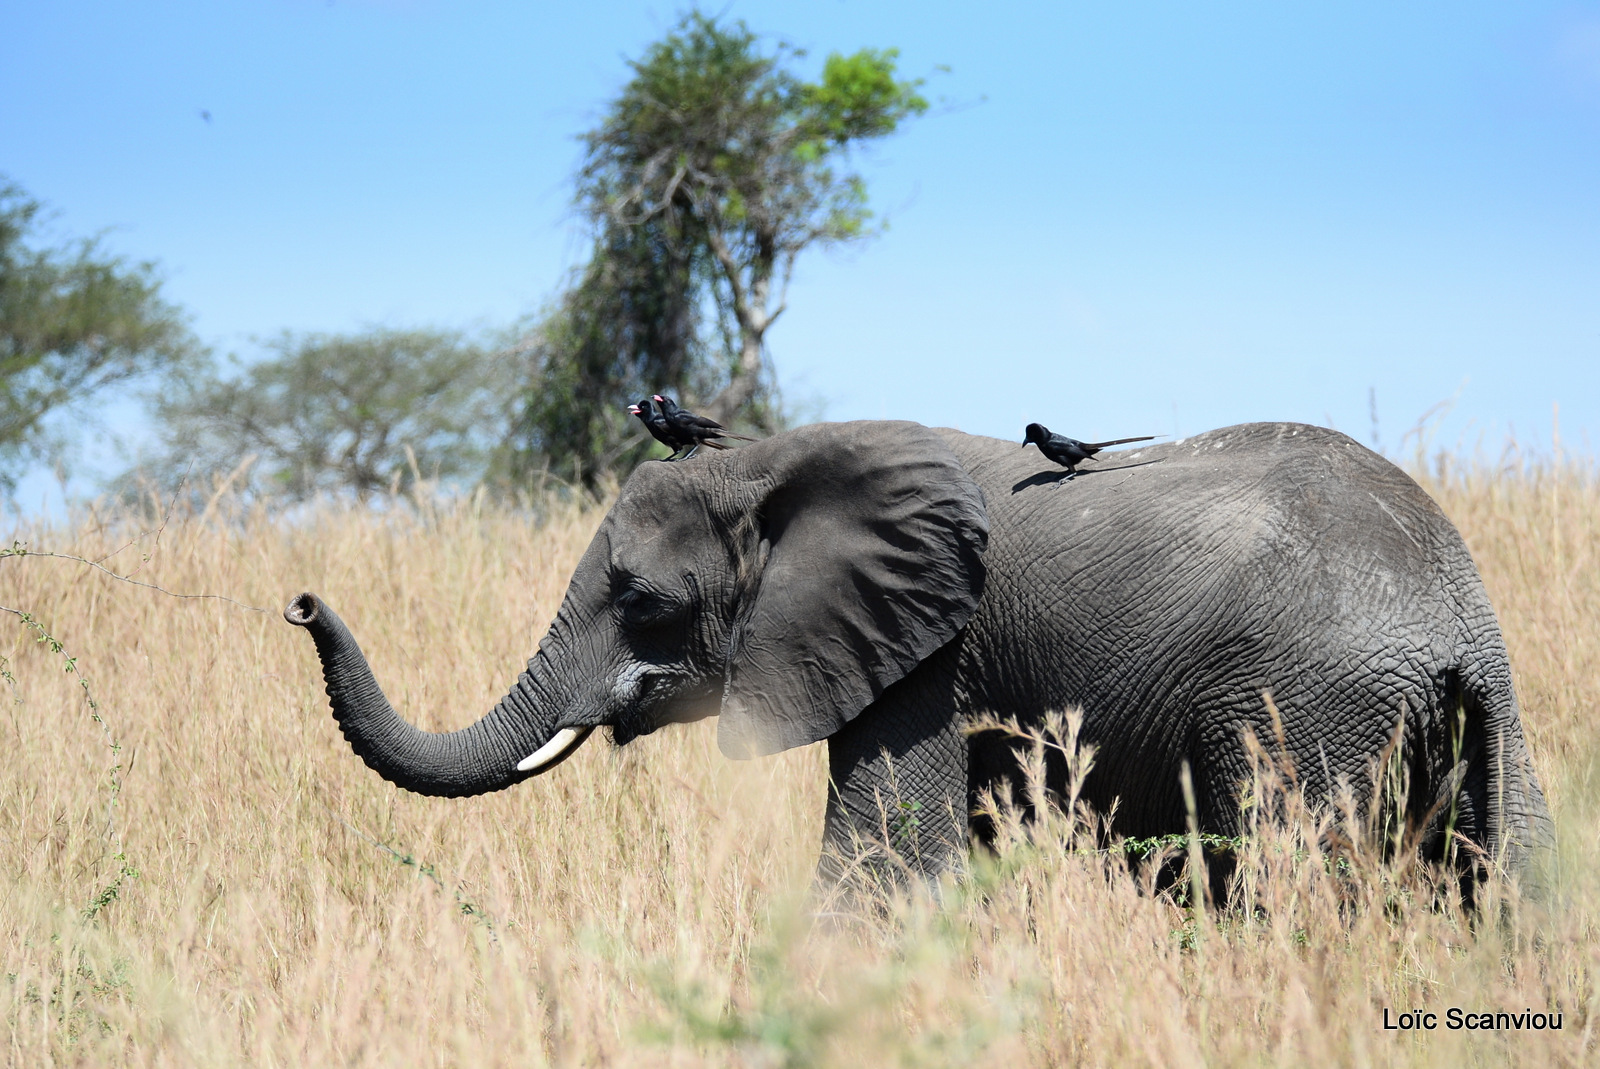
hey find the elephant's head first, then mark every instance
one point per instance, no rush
(783, 586)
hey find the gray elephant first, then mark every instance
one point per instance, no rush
(878, 584)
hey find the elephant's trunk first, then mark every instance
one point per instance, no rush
(515, 740)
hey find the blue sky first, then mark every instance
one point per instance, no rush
(1129, 218)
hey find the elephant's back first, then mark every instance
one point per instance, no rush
(1252, 496)
(1214, 471)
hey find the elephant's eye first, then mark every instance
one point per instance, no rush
(641, 607)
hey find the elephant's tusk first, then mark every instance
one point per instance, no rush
(565, 741)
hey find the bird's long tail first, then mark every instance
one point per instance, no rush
(1120, 441)
(741, 437)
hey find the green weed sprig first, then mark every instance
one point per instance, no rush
(1145, 849)
(467, 906)
(125, 870)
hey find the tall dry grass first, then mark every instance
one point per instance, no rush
(648, 905)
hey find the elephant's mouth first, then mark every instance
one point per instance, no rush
(651, 696)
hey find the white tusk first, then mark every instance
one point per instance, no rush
(565, 740)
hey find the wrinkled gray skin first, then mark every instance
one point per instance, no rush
(877, 584)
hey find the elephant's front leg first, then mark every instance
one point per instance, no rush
(897, 790)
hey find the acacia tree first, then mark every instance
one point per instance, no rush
(719, 150)
(350, 413)
(74, 320)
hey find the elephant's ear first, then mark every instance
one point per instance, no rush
(865, 555)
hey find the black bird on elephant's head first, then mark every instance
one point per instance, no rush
(656, 424)
(1069, 452)
(698, 430)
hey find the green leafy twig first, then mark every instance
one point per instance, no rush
(1144, 849)
(125, 870)
(467, 906)
(11, 681)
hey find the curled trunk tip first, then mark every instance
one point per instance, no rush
(302, 611)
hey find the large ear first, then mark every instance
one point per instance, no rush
(866, 555)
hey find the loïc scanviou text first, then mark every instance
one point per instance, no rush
(1455, 1018)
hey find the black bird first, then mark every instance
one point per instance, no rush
(1069, 452)
(699, 430)
(656, 424)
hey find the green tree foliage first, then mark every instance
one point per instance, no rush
(708, 175)
(627, 327)
(350, 414)
(74, 320)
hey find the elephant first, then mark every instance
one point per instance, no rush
(880, 584)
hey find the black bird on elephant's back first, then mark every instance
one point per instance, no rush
(656, 424)
(694, 430)
(1069, 452)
